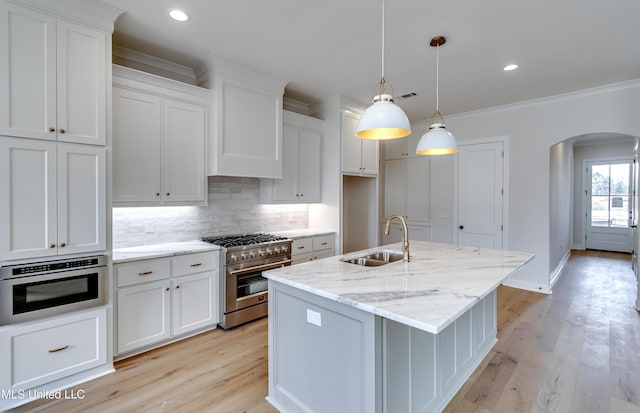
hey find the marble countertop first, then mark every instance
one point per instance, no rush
(144, 252)
(437, 286)
(303, 233)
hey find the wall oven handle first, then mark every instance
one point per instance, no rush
(55, 350)
(260, 267)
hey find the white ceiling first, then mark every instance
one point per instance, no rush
(326, 47)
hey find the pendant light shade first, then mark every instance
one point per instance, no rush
(438, 140)
(383, 119)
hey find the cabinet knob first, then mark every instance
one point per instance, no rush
(166, 289)
(63, 245)
(52, 245)
(461, 227)
(157, 193)
(61, 130)
(168, 194)
(177, 286)
(52, 129)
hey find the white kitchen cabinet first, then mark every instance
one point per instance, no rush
(396, 233)
(52, 77)
(301, 181)
(159, 140)
(406, 189)
(33, 354)
(54, 199)
(313, 247)
(401, 148)
(246, 112)
(359, 156)
(160, 300)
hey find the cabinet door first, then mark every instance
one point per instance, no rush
(143, 315)
(28, 210)
(286, 189)
(369, 156)
(81, 84)
(351, 144)
(395, 149)
(417, 192)
(136, 146)
(394, 187)
(27, 73)
(81, 198)
(183, 166)
(309, 165)
(194, 301)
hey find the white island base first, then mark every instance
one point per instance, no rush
(328, 356)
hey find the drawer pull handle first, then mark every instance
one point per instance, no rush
(145, 273)
(324, 243)
(55, 350)
(300, 248)
(196, 265)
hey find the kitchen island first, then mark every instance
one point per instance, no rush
(399, 337)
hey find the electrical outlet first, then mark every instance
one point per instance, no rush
(314, 317)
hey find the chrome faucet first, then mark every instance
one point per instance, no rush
(405, 241)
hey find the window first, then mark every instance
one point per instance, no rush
(610, 185)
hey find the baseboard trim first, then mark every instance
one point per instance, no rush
(555, 275)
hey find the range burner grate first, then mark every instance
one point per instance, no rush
(227, 241)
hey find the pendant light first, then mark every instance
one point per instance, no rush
(383, 119)
(438, 140)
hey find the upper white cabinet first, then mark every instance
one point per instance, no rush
(359, 156)
(52, 77)
(246, 113)
(159, 140)
(402, 148)
(301, 180)
(53, 198)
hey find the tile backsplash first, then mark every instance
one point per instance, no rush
(234, 208)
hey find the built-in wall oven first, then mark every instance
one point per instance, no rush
(38, 290)
(244, 289)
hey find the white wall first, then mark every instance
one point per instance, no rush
(533, 127)
(560, 176)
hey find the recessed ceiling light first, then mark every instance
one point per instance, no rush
(178, 15)
(509, 68)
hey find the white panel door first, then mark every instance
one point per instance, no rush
(183, 167)
(81, 86)
(609, 205)
(81, 198)
(137, 120)
(480, 195)
(28, 209)
(27, 73)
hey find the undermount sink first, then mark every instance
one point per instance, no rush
(375, 259)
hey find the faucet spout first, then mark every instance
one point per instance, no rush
(405, 241)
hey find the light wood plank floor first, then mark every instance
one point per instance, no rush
(575, 351)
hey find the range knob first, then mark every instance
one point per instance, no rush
(285, 249)
(252, 254)
(234, 258)
(277, 250)
(269, 252)
(262, 253)
(243, 256)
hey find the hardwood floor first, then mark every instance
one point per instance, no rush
(575, 351)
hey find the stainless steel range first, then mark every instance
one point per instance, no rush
(244, 290)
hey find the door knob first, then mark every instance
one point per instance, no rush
(461, 227)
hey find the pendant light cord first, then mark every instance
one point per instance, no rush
(437, 78)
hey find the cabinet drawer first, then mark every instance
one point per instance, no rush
(52, 350)
(194, 263)
(299, 258)
(323, 242)
(143, 271)
(301, 245)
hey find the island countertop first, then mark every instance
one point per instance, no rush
(440, 283)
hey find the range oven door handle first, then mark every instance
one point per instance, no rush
(260, 268)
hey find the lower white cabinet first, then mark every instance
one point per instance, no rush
(34, 354)
(312, 248)
(164, 298)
